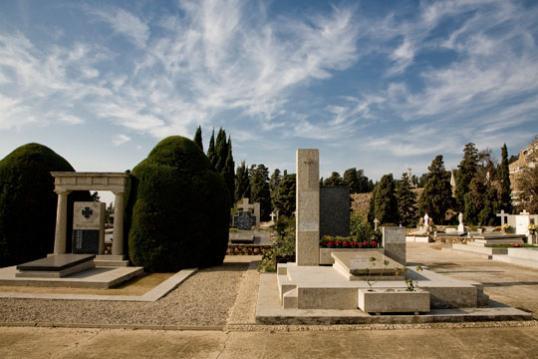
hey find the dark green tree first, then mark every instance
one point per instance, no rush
(211, 154)
(474, 201)
(221, 150)
(371, 208)
(504, 177)
(386, 205)
(285, 199)
(407, 202)
(242, 182)
(334, 180)
(436, 198)
(351, 179)
(274, 184)
(229, 169)
(259, 189)
(198, 137)
(178, 209)
(467, 170)
(28, 203)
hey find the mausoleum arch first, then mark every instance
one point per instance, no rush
(67, 182)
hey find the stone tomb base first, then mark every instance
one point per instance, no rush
(269, 310)
(484, 244)
(76, 271)
(56, 266)
(367, 266)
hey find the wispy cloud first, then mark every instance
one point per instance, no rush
(124, 23)
(120, 139)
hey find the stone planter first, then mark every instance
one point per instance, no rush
(392, 300)
(325, 257)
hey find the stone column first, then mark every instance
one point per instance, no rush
(60, 237)
(307, 208)
(117, 242)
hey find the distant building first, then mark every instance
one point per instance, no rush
(453, 184)
(528, 157)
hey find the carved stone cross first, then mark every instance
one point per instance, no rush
(87, 212)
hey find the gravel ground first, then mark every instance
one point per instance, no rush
(204, 300)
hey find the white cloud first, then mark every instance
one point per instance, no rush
(120, 139)
(125, 23)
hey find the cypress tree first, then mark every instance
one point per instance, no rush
(474, 201)
(407, 202)
(371, 208)
(211, 150)
(221, 151)
(437, 195)
(198, 138)
(334, 180)
(259, 189)
(285, 199)
(504, 174)
(229, 169)
(467, 170)
(351, 179)
(242, 182)
(274, 184)
(386, 205)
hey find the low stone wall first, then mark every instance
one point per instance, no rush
(247, 249)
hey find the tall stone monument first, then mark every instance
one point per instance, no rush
(307, 208)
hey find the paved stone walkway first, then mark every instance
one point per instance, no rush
(411, 343)
(503, 282)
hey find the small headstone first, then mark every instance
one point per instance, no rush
(461, 227)
(245, 220)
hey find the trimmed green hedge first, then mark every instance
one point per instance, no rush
(178, 209)
(28, 203)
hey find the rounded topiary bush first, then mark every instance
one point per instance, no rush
(179, 209)
(28, 203)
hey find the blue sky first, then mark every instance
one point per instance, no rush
(377, 85)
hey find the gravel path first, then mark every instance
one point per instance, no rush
(205, 299)
(244, 310)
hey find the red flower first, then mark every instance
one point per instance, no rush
(365, 244)
(329, 244)
(346, 244)
(373, 244)
(338, 244)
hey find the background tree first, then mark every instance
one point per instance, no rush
(198, 138)
(285, 199)
(211, 155)
(371, 207)
(504, 177)
(259, 189)
(437, 195)
(334, 180)
(466, 172)
(528, 185)
(274, 184)
(357, 181)
(474, 201)
(407, 202)
(229, 169)
(221, 151)
(242, 182)
(385, 203)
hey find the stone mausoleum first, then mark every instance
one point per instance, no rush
(83, 250)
